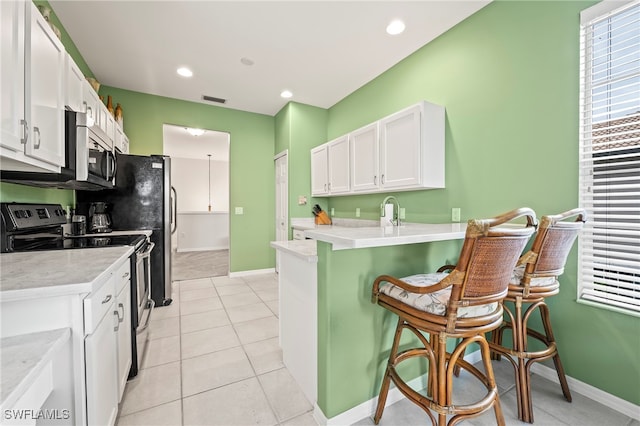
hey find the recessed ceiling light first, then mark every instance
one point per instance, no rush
(286, 94)
(185, 72)
(246, 61)
(194, 132)
(395, 27)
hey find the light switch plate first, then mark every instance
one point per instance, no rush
(455, 214)
(357, 211)
(302, 200)
(239, 210)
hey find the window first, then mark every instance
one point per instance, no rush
(609, 183)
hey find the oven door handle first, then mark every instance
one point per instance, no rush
(146, 253)
(146, 324)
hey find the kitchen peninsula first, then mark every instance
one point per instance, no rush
(75, 303)
(326, 295)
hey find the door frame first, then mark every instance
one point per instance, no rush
(281, 218)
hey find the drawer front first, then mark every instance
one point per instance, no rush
(97, 304)
(123, 276)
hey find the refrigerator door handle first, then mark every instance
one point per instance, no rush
(174, 211)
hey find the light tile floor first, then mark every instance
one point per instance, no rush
(214, 359)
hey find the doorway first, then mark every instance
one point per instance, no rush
(282, 199)
(200, 175)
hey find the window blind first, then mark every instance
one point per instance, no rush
(609, 160)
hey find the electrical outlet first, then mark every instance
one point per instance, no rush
(455, 214)
(239, 210)
(333, 211)
(357, 211)
(402, 213)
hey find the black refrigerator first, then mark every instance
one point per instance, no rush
(143, 198)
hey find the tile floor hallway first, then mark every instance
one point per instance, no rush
(214, 359)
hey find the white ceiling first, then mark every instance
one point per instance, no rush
(320, 50)
(178, 143)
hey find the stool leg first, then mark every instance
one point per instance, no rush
(488, 368)
(442, 394)
(546, 321)
(384, 389)
(519, 337)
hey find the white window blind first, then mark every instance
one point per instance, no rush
(609, 182)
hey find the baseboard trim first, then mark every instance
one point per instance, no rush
(192, 249)
(368, 408)
(251, 272)
(618, 404)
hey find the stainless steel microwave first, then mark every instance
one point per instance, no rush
(90, 162)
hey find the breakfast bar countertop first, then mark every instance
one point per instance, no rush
(349, 237)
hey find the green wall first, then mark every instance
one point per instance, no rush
(508, 77)
(251, 170)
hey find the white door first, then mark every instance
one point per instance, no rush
(282, 199)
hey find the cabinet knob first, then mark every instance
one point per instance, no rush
(106, 299)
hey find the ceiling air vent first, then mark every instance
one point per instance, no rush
(214, 99)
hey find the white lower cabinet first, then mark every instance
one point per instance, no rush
(101, 364)
(123, 302)
(107, 344)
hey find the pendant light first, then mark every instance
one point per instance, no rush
(209, 181)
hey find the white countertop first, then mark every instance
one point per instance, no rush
(22, 357)
(304, 249)
(349, 237)
(57, 272)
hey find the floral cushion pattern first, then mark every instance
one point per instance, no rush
(518, 273)
(433, 303)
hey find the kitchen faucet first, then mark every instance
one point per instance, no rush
(395, 220)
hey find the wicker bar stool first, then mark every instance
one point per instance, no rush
(536, 278)
(463, 304)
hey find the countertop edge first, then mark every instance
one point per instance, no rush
(22, 386)
(303, 249)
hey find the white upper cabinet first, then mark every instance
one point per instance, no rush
(401, 152)
(364, 163)
(73, 79)
(32, 108)
(12, 32)
(91, 102)
(338, 165)
(319, 171)
(44, 91)
(400, 149)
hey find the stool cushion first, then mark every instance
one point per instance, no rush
(436, 302)
(518, 273)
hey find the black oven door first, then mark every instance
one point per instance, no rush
(142, 304)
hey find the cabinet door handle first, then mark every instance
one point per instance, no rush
(86, 107)
(106, 299)
(25, 131)
(382, 179)
(329, 186)
(36, 143)
(325, 186)
(375, 180)
(120, 306)
(117, 327)
(125, 275)
(89, 111)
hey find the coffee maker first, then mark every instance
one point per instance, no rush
(99, 221)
